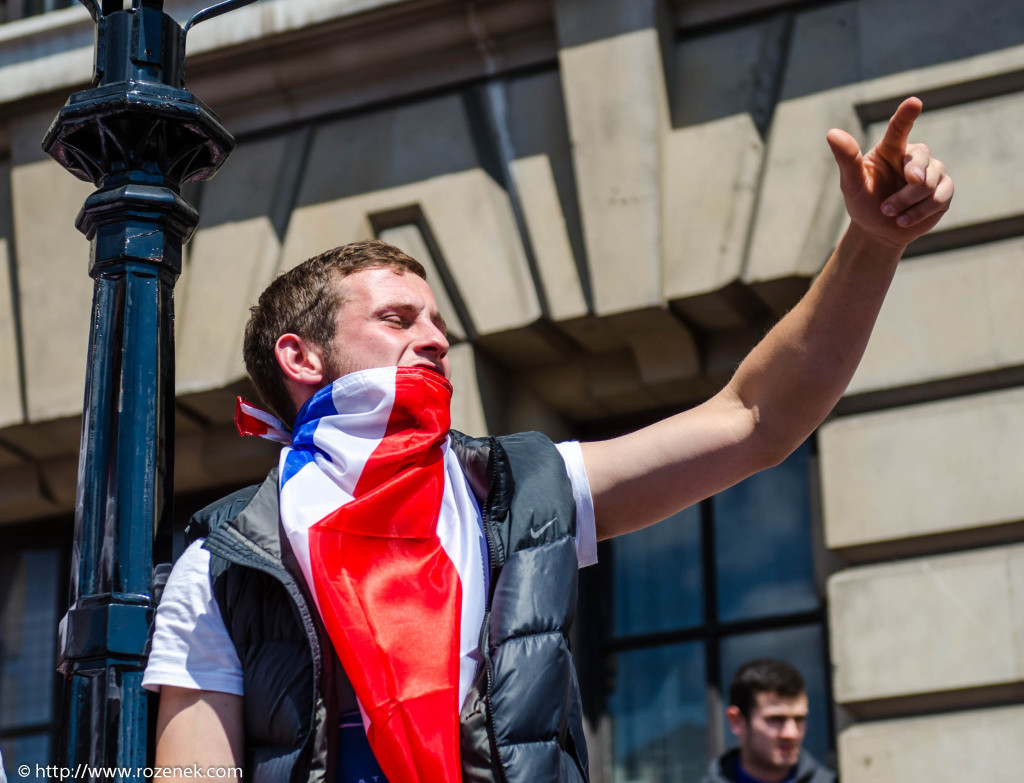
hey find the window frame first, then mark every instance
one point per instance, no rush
(711, 632)
(49, 533)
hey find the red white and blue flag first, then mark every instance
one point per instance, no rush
(375, 509)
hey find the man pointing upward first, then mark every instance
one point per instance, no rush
(395, 599)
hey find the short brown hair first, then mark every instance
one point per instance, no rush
(764, 675)
(305, 301)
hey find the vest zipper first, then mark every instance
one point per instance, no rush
(485, 512)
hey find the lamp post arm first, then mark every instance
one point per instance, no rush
(93, 8)
(213, 11)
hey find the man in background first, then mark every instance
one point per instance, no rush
(768, 715)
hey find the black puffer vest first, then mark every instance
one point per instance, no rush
(522, 721)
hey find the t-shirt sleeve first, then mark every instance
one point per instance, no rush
(586, 525)
(191, 646)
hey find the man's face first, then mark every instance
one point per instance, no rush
(771, 739)
(386, 319)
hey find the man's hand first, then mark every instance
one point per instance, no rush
(897, 191)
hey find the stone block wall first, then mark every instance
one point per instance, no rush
(614, 199)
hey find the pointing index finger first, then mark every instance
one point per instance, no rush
(894, 144)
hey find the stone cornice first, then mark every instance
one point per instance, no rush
(393, 51)
(279, 60)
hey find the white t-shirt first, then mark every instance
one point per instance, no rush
(192, 647)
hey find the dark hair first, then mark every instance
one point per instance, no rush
(764, 675)
(304, 301)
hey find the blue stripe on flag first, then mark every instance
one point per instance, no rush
(293, 463)
(319, 405)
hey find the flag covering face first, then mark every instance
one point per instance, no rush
(361, 502)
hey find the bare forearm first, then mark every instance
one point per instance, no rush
(198, 728)
(795, 376)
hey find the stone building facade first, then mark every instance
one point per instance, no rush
(614, 199)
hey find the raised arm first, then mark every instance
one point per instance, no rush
(787, 385)
(202, 728)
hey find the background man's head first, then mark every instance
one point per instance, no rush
(768, 714)
(305, 301)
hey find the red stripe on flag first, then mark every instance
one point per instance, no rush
(247, 424)
(390, 596)
(250, 420)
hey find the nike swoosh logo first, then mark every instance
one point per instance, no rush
(537, 532)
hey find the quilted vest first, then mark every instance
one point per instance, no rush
(522, 720)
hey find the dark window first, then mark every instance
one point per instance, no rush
(34, 573)
(33, 591)
(694, 597)
(16, 9)
(33, 7)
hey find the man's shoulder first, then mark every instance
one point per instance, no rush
(809, 770)
(480, 457)
(722, 769)
(224, 510)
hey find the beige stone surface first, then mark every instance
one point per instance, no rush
(663, 348)
(467, 406)
(8, 458)
(43, 441)
(613, 380)
(60, 479)
(331, 62)
(542, 213)
(639, 359)
(721, 85)
(934, 624)
(46, 53)
(948, 314)
(10, 374)
(923, 469)
(799, 205)
(419, 155)
(24, 495)
(617, 106)
(541, 169)
(941, 748)
(279, 62)
(218, 457)
(53, 265)
(712, 172)
(54, 51)
(565, 387)
(231, 259)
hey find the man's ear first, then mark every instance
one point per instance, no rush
(737, 723)
(300, 360)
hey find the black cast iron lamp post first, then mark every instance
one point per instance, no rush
(137, 135)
